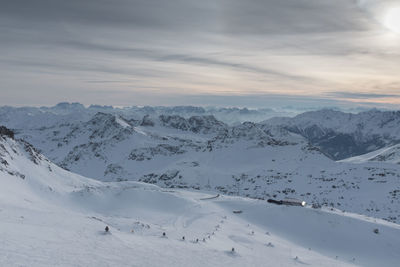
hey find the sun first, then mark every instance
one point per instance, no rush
(392, 20)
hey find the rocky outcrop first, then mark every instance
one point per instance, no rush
(6, 132)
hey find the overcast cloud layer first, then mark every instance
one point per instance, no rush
(220, 52)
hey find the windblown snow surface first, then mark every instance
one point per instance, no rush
(51, 217)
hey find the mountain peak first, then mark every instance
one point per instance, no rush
(4, 131)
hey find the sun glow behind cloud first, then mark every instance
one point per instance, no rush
(392, 19)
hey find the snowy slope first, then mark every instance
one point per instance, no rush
(387, 155)
(51, 217)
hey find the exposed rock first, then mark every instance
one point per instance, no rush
(146, 121)
(6, 132)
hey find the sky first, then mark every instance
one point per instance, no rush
(254, 53)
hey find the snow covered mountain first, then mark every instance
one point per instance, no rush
(257, 160)
(341, 135)
(52, 217)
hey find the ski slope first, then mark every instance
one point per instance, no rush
(51, 217)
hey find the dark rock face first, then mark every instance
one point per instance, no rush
(205, 124)
(339, 146)
(33, 154)
(146, 121)
(142, 154)
(175, 121)
(6, 132)
(342, 135)
(195, 124)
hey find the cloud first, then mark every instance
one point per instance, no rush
(352, 95)
(153, 48)
(162, 56)
(160, 14)
(147, 54)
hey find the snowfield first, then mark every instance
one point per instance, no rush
(52, 217)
